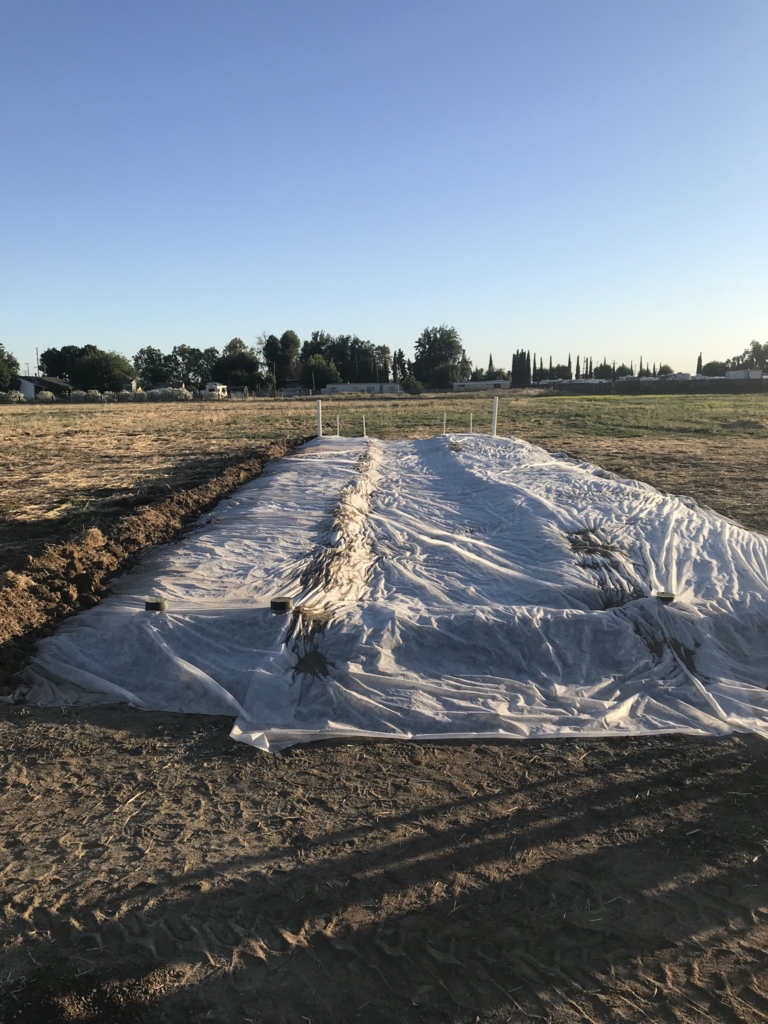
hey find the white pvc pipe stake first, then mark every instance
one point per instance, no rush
(470, 423)
(364, 433)
(337, 426)
(495, 414)
(319, 419)
(443, 422)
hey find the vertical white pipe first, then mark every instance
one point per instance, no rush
(470, 423)
(495, 414)
(443, 423)
(364, 433)
(319, 419)
(337, 426)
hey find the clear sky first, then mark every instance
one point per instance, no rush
(583, 176)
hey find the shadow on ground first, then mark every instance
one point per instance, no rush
(177, 876)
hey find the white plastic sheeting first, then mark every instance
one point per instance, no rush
(464, 586)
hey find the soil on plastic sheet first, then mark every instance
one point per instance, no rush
(155, 871)
(73, 573)
(152, 871)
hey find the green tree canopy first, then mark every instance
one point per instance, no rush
(58, 362)
(714, 368)
(238, 366)
(437, 347)
(281, 355)
(9, 368)
(755, 357)
(411, 385)
(603, 371)
(521, 369)
(155, 367)
(194, 366)
(358, 361)
(399, 366)
(101, 371)
(316, 372)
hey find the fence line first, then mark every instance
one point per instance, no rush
(494, 420)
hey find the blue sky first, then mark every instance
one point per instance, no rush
(558, 175)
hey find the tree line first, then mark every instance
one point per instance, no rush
(754, 357)
(439, 359)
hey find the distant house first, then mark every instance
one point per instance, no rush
(129, 385)
(370, 389)
(30, 387)
(214, 390)
(482, 385)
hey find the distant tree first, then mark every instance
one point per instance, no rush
(101, 371)
(444, 375)
(714, 369)
(269, 345)
(521, 369)
(58, 362)
(155, 367)
(193, 366)
(569, 375)
(282, 355)
(438, 347)
(753, 358)
(412, 386)
(492, 373)
(699, 364)
(290, 343)
(578, 370)
(623, 371)
(399, 366)
(238, 366)
(317, 372)
(602, 371)
(9, 368)
(664, 369)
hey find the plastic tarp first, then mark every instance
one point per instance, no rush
(461, 586)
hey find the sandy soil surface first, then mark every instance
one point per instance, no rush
(153, 871)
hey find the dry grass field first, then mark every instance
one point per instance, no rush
(154, 872)
(66, 468)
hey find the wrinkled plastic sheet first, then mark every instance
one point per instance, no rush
(460, 586)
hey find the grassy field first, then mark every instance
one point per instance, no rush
(67, 468)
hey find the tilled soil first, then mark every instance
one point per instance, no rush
(154, 871)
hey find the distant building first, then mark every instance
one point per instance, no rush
(370, 389)
(214, 390)
(482, 385)
(31, 386)
(744, 374)
(129, 385)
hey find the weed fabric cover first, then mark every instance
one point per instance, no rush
(460, 586)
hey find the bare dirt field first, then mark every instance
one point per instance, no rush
(154, 871)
